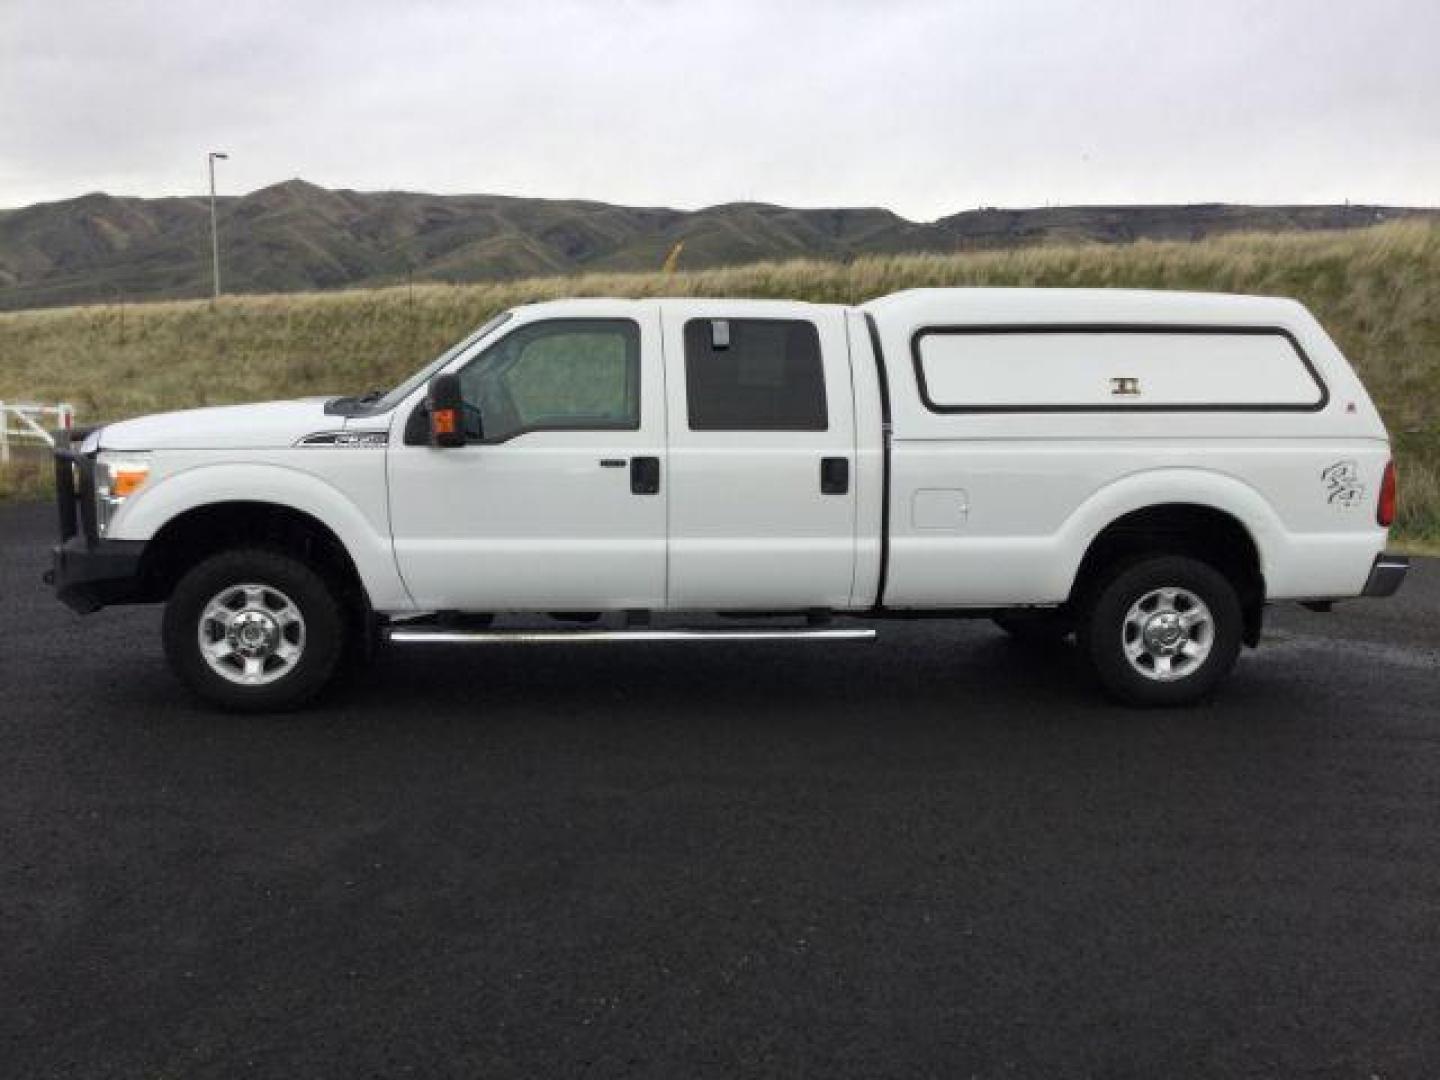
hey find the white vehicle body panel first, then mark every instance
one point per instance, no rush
(336, 487)
(265, 425)
(536, 523)
(1038, 486)
(749, 525)
(988, 508)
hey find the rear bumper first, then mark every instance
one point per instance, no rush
(87, 576)
(1386, 574)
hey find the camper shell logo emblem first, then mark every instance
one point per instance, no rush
(1343, 486)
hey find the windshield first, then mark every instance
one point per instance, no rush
(414, 382)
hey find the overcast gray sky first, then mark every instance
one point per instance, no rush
(923, 106)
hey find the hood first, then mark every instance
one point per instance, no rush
(267, 425)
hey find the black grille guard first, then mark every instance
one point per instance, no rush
(75, 486)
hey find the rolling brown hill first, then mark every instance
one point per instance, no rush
(297, 236)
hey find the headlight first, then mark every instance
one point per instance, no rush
(117, 477)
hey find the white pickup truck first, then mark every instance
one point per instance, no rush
(1146, 470)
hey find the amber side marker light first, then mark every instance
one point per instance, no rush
(125, 481)
(1385, 509)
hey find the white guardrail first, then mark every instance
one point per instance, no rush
(22, 424)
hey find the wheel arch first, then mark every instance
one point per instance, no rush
(1212, 517)
(271, 504)
(194, 535)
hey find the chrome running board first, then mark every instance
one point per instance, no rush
(426, 635)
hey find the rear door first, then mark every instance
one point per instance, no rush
(761, 457)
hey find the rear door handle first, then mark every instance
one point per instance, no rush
(645, 475)
(834, 475)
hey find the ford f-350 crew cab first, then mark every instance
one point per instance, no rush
(1144, 469)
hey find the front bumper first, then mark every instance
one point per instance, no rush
(87, 572)
(88, 576)
(1386, 574)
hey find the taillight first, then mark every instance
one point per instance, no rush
(1385, 511)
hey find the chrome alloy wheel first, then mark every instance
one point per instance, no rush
(1167, 634)
(251, 634)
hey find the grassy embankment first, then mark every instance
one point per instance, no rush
(1377, 291)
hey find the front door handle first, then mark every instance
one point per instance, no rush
(834, 475)
(645, 475)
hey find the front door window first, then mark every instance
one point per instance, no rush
(561, 375)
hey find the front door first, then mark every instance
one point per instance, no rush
(762, 458)
(558, 499)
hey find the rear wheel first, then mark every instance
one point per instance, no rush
(1161, 630)
(254, 630)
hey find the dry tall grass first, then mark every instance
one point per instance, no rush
(1377, 291)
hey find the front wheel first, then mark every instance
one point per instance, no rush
(254, 630)
(1162, 630)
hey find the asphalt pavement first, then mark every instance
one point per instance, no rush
(939, 854)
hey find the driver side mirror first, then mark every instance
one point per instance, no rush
(447, 419)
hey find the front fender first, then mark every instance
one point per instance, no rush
(171, 495)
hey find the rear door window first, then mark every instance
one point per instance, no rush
(754, 375)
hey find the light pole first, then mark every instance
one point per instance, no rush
(214, 230)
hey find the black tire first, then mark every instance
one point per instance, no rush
(1039, 627)
(1104, 630)
(325, 630)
